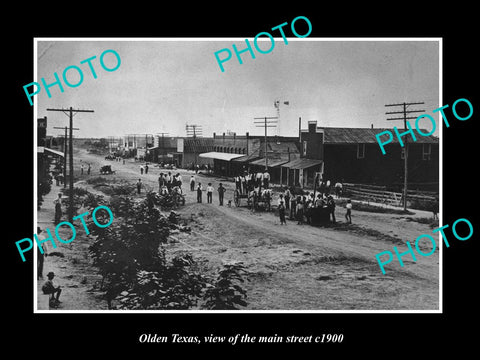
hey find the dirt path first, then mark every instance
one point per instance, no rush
(300, 266)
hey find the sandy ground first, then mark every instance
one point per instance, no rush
(291, 267)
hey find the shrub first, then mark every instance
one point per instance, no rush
(226, 293)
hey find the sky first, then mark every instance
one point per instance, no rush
(162, 85)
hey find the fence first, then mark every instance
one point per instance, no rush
(379, 194)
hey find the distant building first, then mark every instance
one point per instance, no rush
(190, 148)
(233, 154)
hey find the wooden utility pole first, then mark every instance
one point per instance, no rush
(70, 113)
(266, 124)
(162, 147)
(64, 154)
(405, 118)
(194, 130)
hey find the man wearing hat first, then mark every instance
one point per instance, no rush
(50, 288)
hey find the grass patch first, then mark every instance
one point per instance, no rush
(99, 180)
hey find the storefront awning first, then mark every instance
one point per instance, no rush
(220, 155)
(302, 163)
(271, 163)
(42, 149)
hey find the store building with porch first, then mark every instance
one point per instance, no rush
(236, 154)
(353, 155)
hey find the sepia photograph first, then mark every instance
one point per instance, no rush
(237, 174)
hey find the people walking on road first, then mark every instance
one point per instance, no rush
(88, 170)
(141, 169)
(209, 193)
(348, 215)
(192, 183)
(58, 208)
(81, 169)
(146, 169)
(221, 192)
(199, 193)
(139, 186)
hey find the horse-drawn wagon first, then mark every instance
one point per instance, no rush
(106, 170)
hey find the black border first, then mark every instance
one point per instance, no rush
(396, 332)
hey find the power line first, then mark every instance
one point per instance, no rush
(70, 113)
(405, 158)
(266, 124)
(64, 154)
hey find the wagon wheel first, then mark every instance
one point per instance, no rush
(236, 198)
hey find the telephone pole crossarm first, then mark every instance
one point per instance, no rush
(405, 118)
(70, 114)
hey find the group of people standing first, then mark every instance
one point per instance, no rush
(303, 207)
(169, 181)
(209, 190)
(248, 181)
(82, 168)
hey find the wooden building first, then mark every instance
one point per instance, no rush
(353, 155)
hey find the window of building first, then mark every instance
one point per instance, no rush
(360, 151)
(304, 148)
(427, 151)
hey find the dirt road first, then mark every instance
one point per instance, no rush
(300, 267)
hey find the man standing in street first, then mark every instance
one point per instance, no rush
(209, 193)
(58, 208)
(192, 183)
(221, 191)
(331, 208)
(160, 182)
(139, 186)
(199, 193)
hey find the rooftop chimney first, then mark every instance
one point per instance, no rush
(312, 126)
